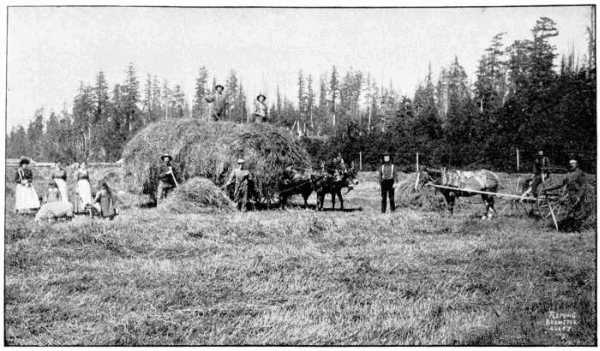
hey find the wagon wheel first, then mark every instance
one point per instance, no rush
(551, 208)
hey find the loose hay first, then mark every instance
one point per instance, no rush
(197, 195)
(210, 149)
(426, 198)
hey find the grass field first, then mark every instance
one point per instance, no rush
(298, 277)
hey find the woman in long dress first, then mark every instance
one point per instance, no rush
(26, 199)
(59, 176)
(83, 186)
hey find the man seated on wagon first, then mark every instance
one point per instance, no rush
(575, 185)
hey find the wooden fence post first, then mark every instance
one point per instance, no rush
(360, 160)
(518, 165)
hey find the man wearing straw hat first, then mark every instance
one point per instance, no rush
(219, 101)
(387, 179)
(260, 109)
(167, 180)
(242, 178)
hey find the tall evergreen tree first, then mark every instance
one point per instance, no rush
(200, 107)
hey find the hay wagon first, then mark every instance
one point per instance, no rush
(550, 208)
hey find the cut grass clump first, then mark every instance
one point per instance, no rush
(197, 195)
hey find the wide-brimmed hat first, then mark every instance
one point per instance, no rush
(163, 156)
(259, 96)
(540, 153)
(219, 85)
(241, 160)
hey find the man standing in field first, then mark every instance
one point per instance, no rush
(219, 101)
(242, 178)
(575, 184)
(387, 179)
(540, 171)
(166, 178)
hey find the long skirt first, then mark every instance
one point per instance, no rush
(26, 198)
(84, 191)
(62, 188)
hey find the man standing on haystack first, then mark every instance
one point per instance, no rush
(387, 179)
(260, 109)
(167, 180)
(219, 102)
(242, 178)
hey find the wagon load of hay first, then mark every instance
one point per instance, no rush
(426, 198)
(210, 150)
(197, 195)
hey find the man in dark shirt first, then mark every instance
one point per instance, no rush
(540, 171)
(167, 180)
(387, 179)
(575, 185)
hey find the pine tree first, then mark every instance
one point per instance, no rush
(310, 101)
(98, 128)
(300, 117)
(200, 106)
(334, 90)
(18, 144)
(231, 91)
(157, 104)
(179, 104)
(83, 117)
(133, 117)
(147, 102)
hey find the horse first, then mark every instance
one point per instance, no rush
(481, 180)
(333, 184)
(295, 182)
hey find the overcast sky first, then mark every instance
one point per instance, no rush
(51, 49)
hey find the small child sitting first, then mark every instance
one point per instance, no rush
(104, 203)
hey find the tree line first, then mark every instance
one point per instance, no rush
(520, 99)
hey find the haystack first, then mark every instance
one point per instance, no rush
(197, 195)
(426, 198)
(210, 149)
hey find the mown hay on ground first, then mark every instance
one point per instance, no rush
(197, 195)
(426, 198)
(210, 149)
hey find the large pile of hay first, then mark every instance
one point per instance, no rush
(197, 195)
(426, 198)
(210, 149)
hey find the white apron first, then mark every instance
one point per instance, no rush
(85, 192)
(26, 198)
(62, 188)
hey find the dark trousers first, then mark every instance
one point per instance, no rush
(387, 190)
(535, 184)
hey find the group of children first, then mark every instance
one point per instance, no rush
(56, 203)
